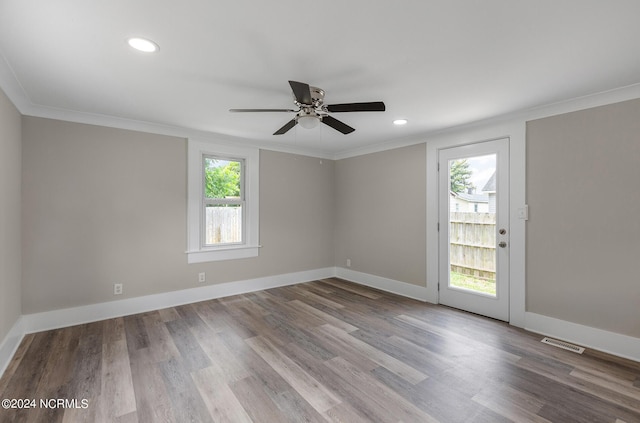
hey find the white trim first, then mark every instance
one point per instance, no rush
(609, 342)
(17, 94)
(604, 98)
(496, 306)
(517, 225)
(251, 191)
(515, 131)
(10, 344)
(54, 319)
(12, 88)
(586, 336)
(229, 253)
(383, 146)
(384, 284)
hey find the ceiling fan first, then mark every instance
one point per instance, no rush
(312, 110)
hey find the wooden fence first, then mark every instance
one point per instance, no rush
(223, 225)
(472, 238)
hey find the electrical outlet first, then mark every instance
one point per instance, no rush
(202, 277)
(348, 262)
(117, 289)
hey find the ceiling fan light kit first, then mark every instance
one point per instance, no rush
(309, 121)
(312, 110)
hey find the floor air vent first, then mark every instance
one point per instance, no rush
(563, 345)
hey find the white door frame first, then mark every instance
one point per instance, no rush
(515, 131)
(492, 306)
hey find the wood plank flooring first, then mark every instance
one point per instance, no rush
(324, 351)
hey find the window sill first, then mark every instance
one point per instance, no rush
(219, 254)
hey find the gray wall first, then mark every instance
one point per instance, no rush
(381, 214)
(583, 235)
(10, 164)
(104, 206)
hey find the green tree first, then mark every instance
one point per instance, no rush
(460, 174)
(222, 181)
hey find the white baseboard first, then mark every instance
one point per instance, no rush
(11, 343)
(585, 336)
(609, 342)
(55, 319)
(389, 285)
(38, 322)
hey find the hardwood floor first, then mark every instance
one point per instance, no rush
(316, 352)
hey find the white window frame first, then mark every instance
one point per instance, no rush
(197, 251)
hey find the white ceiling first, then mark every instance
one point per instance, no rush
(438, 64)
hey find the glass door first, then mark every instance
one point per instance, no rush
(474, 228)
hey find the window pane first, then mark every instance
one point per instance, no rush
(223, 224)
(222, 178)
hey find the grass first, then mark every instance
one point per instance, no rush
(459, 280)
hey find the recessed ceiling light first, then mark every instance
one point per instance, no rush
(400, 122)
(142, 44)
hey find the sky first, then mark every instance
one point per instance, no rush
(482, 168)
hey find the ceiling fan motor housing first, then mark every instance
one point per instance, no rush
(313, 110)
(317, 95)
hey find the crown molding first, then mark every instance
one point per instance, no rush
(10, 84)
(12, 88)
(617, 95)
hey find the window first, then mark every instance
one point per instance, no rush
(222, 203)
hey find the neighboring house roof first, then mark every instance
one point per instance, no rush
(471, 198)
(490, 186)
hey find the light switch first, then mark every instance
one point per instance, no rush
(523, 212)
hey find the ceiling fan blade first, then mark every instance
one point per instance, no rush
(286, 127)
(260, 110)
(337, 125)
(374, 106)
(301, 91)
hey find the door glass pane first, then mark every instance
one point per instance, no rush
(472, 224)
